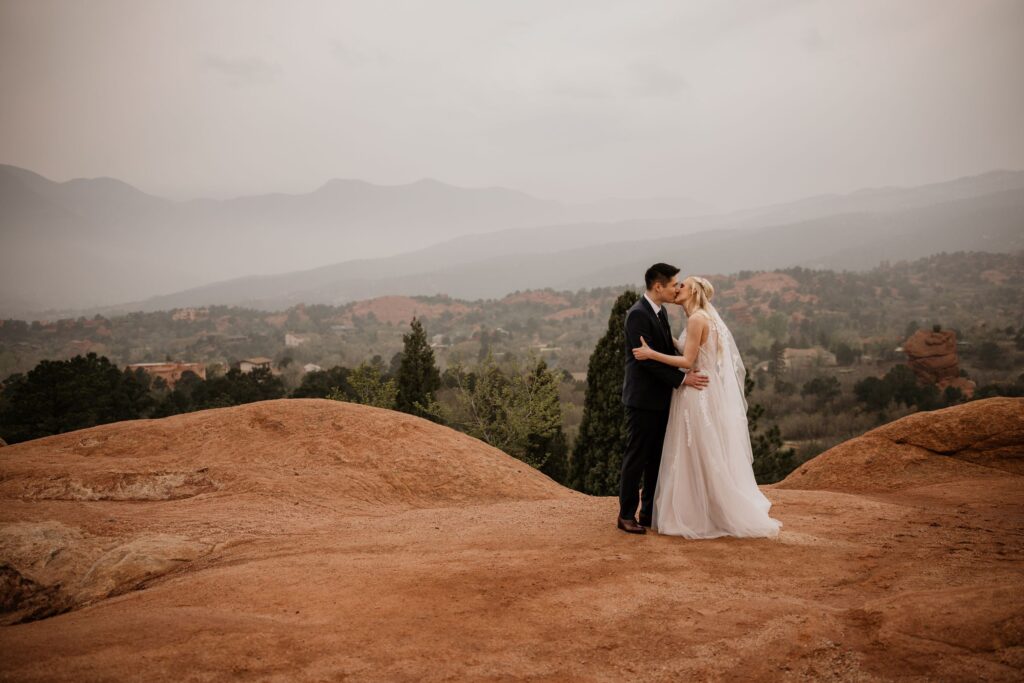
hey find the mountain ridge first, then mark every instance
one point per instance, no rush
(94, 238)
(605, 264)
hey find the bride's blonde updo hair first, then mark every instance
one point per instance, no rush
(702, 292)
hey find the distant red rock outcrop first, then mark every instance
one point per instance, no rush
(399, 310)
(932, 355)
(540, 296)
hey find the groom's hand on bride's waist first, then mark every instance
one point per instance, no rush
(696, 380)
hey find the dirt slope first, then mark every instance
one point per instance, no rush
(321, 541)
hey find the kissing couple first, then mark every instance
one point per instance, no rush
(688, 461)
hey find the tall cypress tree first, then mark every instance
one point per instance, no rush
(418, 377)
(597, 454)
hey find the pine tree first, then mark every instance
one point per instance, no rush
(543, 441)
(597, 454)
(519, 413)
(772, 462)
(418, 377)
(63, 395)
(557, 464)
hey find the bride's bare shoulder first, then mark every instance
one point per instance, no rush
(701, 315)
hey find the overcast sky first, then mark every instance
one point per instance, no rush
(730, 103)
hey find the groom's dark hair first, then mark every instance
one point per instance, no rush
(659, 273)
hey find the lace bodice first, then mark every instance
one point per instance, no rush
(707, 353)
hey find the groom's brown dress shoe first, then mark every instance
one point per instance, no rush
(631, 527)
(645, 521)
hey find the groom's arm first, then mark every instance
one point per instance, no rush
(637, 325)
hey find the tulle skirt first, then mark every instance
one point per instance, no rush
(706, 485)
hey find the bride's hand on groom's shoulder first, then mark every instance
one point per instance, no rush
(642, 352)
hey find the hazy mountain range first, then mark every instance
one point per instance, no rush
(102, 245)
(96, 242)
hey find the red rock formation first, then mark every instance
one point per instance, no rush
(979, 439)
(740, 313)
(932, 355)
(314, 540)
(933, 358)
(399, 310)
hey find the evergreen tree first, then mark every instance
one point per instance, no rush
(990, 355)
(824, 388)
(369, 387)
(519, 413)
(900, 386)
(233, 388)
(539, 421)
(846, 355)
(772, 462)
(320, 383)
(64, 395)
(777, 364)
(418, 378)
(485, 345)
(557, 464)
(597, 454)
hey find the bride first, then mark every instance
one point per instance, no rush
(706, 485)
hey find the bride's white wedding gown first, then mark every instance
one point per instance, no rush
(706, 485)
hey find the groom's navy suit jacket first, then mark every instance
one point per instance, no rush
(648, 384)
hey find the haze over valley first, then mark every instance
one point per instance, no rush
(74, 247)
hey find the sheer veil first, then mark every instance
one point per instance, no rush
(706, 483)
(732, 373)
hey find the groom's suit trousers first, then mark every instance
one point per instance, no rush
(642, 459)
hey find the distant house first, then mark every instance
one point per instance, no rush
(170, 372)
(542, 347)
(796, 359)
(311, 367)
(190, 313)
(250, 364)
(293, 340)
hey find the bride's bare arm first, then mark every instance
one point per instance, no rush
(694, 331)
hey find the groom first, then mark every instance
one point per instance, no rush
(647, 394)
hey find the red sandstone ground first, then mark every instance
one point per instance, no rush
(322, 541)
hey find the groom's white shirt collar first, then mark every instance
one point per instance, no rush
(656, 307)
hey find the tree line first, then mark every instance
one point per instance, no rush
(513, 407)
